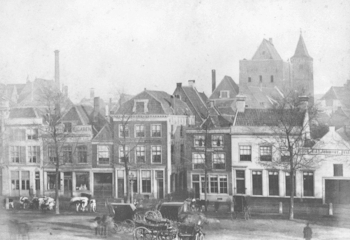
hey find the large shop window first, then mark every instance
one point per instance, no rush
(245, 153)
(124, 154)
(82, 180)
(51, 181)
(146, 181)
(198, 160)
(34, 154)
(82, 154)
(288, 184)
(266, 153)
(67, 154)
(308, 178)
(103, 155)
(15, 180)
(219, 161)
(140, 130)
(25, 180)
(140, 154)
(199, 141)
(240, 181)
(215, 183)
(273, 183)
(156, 130)
(217, 141)
(257, 183)
(156, 154)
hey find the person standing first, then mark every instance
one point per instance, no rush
(31, 192)
(307, 232)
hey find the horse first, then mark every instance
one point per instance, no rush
(24, 201)
(79, 202)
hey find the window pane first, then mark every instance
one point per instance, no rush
(223, 184)
(219, 161)
(214, 185)
(257, 183)
(82, 181)
(308, 179)
(273, 183)
(245, 153)
(265, 153)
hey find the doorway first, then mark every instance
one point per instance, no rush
(68, 187)
(103, 185)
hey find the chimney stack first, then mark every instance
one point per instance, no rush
(178, 84)
(240, 103)
(172, 101)
(92, 93)
(213, 78)
(191, 83)
(57, 69)
(96, 108)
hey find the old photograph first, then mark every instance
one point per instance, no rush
(174, 120)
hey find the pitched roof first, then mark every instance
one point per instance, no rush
(261, 97)
(196, 100)
(264, 117)
(23, 113)
(104, 135)
(162, 103)
(266, 51)
(226, 84)
(226, 106)
(301, 50)
(339, 93)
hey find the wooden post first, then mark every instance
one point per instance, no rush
(280, 209)
(330, 209)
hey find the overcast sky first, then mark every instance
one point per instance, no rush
(132, 45)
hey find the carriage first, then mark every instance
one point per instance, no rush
(122, 213)
(241, 207)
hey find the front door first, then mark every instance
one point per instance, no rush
(160, 189)
(121, 188)
(196, 189)
(68, 184)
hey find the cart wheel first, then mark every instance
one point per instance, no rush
(159, 215)
(129, 226)
(142, 233)
(151, 214)
(116, 228)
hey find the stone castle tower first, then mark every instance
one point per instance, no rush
(267, 69)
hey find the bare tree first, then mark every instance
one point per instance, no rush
(288, 124)
(55, 135)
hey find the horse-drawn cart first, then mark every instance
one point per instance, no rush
(122, 213)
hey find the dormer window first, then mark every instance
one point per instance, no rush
(140, 106)
(199, 141)
(224, 94)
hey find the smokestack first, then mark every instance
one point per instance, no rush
(240, 103)
(213, 79)
(57, 69)
(92, 93)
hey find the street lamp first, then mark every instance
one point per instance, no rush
(132, 179)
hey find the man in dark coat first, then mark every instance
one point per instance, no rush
(307, 232)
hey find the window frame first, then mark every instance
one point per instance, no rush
(15, 153)
(241, 179)
(156, 150)
(308, 192)
(242, 150)
(215, 161)
(143, 131)
(67, 153)
(82, 150)
(261, 150)
(223, 92)
(217, 139)
(33, 152)
(32, 134)
(108, 151)
(137, 153)
(196, 140)
(195, 161)
(122, 153)
(126, 130)
(154, 130)
(143, 186)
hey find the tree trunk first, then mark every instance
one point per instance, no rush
(57, 205)
(205, 188)
(127, 181)
(291, 208)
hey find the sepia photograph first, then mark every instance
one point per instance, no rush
(175, 120)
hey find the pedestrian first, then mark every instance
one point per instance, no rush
(307, 232)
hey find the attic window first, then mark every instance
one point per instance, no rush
(68, 127)
(140, 106)
(224, 94)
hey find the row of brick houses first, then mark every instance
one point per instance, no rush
(171, 141)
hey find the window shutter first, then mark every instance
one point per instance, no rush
(22, 154)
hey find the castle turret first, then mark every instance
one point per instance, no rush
(302, 70)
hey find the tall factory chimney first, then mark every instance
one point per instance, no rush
(213, 79)
(57, 69)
